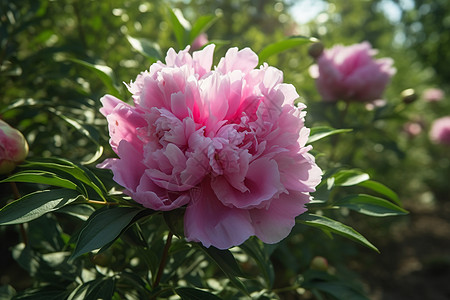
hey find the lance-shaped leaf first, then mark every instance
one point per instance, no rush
(321, 132)
(201, 25)
(42, 177)
(36, 204)
(381, 189)
(255, 249)
(227, 263)
(187, 293)
(88, 131)
(69, 168)
(349, 177)
(104, 73)
(329, 225)
(284, 45)
(100, 288)
(102, 227)
(370, 205)
(146, 47)
(180, 25)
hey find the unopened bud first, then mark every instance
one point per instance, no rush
(315, 50)
(319, 263)
(13, 148)
(408, 96)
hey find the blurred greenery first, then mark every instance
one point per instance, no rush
(58, 58)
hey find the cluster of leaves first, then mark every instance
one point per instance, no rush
(55, 253)
(83, 238)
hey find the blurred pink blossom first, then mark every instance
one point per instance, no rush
(351, 73)
(433, 95)
(228, 143)
(13, 148)
(412, 128)
(440, 131)
(200, 41)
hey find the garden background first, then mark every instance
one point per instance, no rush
(58, 58)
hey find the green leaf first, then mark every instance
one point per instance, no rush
(370, 205)
(81, 211)
(87, 131)
(321, 132)
(146, 47)
(44, 293)
(330, 225)
(339, 288)
(100, 288)
(21, 103)
(187, 293)
(201, 25)
(339, 291)
(255, 249)
(227, 263)
(67, 167)
(7, 292)
(180, 26)
(349, 177)
(41, 177)
(283, 45)
(103, 227)
(36, 204)
(381, 189)
(104, 73)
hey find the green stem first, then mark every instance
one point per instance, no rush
(163, 259)
(101, 202)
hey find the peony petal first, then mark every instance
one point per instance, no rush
(152, 196)
(262, 181)
(203, 60)
(123, 124)
(129, 169)
(208, 221)
(244, 60)
(276, 222)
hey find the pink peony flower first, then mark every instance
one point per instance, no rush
(351, 73)
(412, 129)
(200, 41)
(433, 95)
(228, 143)
(440, 131)
(13, 148)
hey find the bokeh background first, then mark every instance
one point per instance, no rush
(59, 57)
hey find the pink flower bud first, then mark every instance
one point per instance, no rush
(319, 263)
(316, 50)
(412, 129)
(200, 41)
(433, 95)
(352, 73)
(408, 96)
(440, 131)
(13, 148)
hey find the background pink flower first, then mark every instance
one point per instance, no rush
(433, 95)
(351, 73)
(13, 148)
(200, 41)
(440, 131)
(227, 142)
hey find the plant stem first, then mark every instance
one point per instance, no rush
(163, 259)
(21, 226)
(101, 202)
